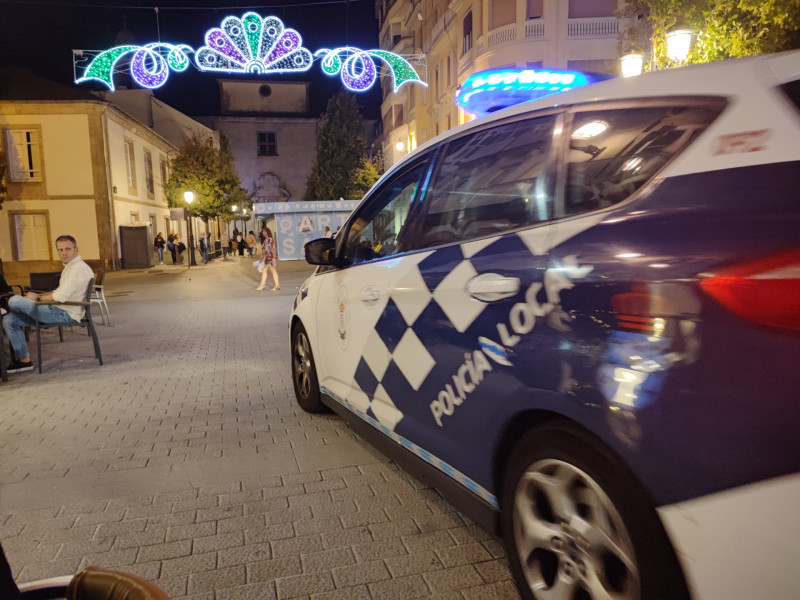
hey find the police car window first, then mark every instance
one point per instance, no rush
(378, 230)
(612, 153)
(489, 182)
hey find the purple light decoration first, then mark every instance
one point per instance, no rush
(358, 71)
(153, 75)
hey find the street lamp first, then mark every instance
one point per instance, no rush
(189, 197)
(631, 64)
(678, 43)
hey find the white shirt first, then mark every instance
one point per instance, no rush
(72, 286)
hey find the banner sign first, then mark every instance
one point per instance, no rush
(297, 223)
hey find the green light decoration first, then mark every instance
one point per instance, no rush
(102, 67)
(249, 45)
(148, 65)
(358, 70)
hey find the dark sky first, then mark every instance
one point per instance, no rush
(41, 34)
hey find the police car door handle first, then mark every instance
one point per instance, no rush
(370, 295)
(489, 287)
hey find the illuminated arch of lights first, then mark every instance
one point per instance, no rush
(252, 45)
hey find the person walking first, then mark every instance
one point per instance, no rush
(225, 242)
(204, 246)
(327, 233)
(180, 248)
(159, 245)
(171, 245)
(240, 243)
(22, 310)
(270, 262)
(251, 243)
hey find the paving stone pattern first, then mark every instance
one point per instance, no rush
(185, 460)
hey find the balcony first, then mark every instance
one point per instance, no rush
(599, 27)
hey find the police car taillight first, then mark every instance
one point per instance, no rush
(765, 291)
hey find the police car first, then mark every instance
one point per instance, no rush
(581, 316)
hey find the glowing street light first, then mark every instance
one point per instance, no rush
(631, 64)
(679, 42)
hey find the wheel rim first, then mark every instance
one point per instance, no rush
(302, 365)
(570, 538)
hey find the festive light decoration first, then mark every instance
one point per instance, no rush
(253, 45)
(488, 91)
(359, 71)
(149, 68)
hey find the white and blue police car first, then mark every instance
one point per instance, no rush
(581, 316)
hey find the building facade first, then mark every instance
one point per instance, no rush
(82, 166)
(451, 40)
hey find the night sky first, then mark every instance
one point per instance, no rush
(41, 34)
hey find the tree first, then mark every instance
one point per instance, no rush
(340, 150)
(724, 28)
(362, 179)
(207, 170)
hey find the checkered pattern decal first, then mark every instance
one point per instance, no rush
(420, 338)
(420, 452)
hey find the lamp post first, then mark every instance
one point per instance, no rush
(679, 41)
(189, 197)
(632, 64)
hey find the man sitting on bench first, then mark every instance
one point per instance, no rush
(22, 309)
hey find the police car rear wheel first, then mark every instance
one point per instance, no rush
(577, 525)
(304, 372)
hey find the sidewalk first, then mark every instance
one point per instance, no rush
(184, 459)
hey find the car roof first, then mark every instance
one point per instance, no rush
(727, 78)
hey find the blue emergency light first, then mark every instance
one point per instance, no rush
(487, 91)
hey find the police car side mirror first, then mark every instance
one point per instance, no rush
(321, 251)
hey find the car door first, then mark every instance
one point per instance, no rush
(357, 320)
(485, 220)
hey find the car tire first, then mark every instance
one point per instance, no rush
(304, 372)
(578, 525)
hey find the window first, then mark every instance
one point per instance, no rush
(380, 228)
(503, 12)
(612, 153)
(267, 143)
(466, 42)
(148, 173)
(534, 9)
(130, 164)
(162, 163)
(31, 236)
(134, 217)
(490, 182)
(24, 155)
(449, 81)
(583, 9)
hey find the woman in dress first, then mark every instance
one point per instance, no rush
(269, 262)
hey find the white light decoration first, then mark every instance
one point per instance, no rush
(678, 44)
(631, 65)
(253, 45)
(188, 196)
(249, 45)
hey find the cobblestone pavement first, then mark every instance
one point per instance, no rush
(184, 459)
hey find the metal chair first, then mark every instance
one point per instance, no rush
(85, 322)
(99, 298)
